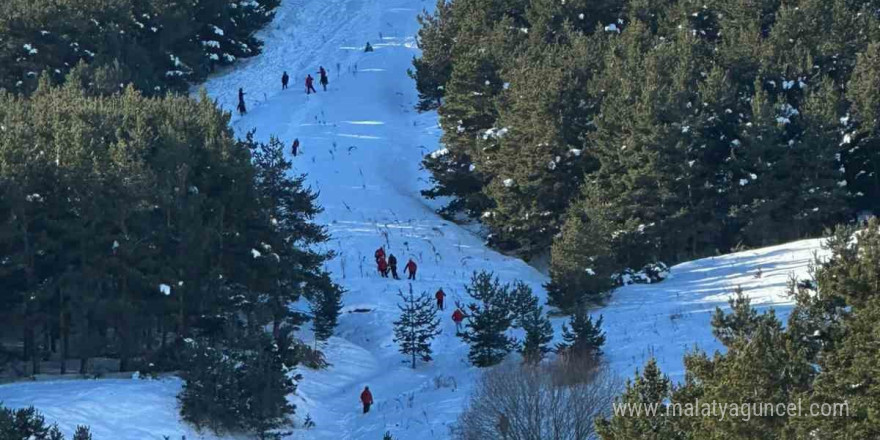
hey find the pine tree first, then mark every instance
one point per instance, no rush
(539, 334)
(849, 357)
(490, 319)
(522, 302)
(266, 383)
(27, 423)
(637, 194)
(325, 310)
(434, 67)
(534, 150)
(582, 336)
(239, 387)
(82, 433)
(762, 364)
(859, 153)
(649, 389)
(417, 326)
(581, 261)
(469, 109)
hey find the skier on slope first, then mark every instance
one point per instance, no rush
(366, 399)
(392, 265)
(310, 85)
(411, 267)
(241, 108)
(284, 80)
(382, 266)
(324, 81)
(295, 147)
(440, 295)
(457, 317)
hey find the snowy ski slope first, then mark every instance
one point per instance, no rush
(361, 145)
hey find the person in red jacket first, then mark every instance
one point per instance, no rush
(310, 85)
(440, 295)
(380, 253)
(457, 317)
(383, 267)
(295, 147)
(411, 268)
(367, 399)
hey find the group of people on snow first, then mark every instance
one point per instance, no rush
(457, 315)
(310, 82)
(390, 265)
(285, 80)
(384, 266)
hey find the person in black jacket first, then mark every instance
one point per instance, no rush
(323, 80)
(284, 80)
(241, 108)
(392, 264)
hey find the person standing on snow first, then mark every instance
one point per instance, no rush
(457, 317)
(367, 399)
(295, 147)
(411, 267)
(392, 264)
(368, 48)
(284, 80)
(241, 108)
(380, 253)
(383, 267)
(324, 81)
(440, 295)
(310, 85)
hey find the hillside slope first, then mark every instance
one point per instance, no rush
(361, 146)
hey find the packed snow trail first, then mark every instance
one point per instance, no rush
(361, 147)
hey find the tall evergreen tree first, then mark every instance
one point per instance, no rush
(649, 389)
(862, 125)
(82, 433)
(582, 336)
(845, 309)
(539, 334)
(489, 319)
(522, 302)
(535, 150)
(581, 261)
(326, 307)
(417, 326)
(433, 69)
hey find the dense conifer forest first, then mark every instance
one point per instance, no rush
(136, 232)
(618, 137)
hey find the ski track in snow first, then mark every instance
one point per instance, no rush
(361, 146)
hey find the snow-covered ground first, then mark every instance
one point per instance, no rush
(361, 146)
